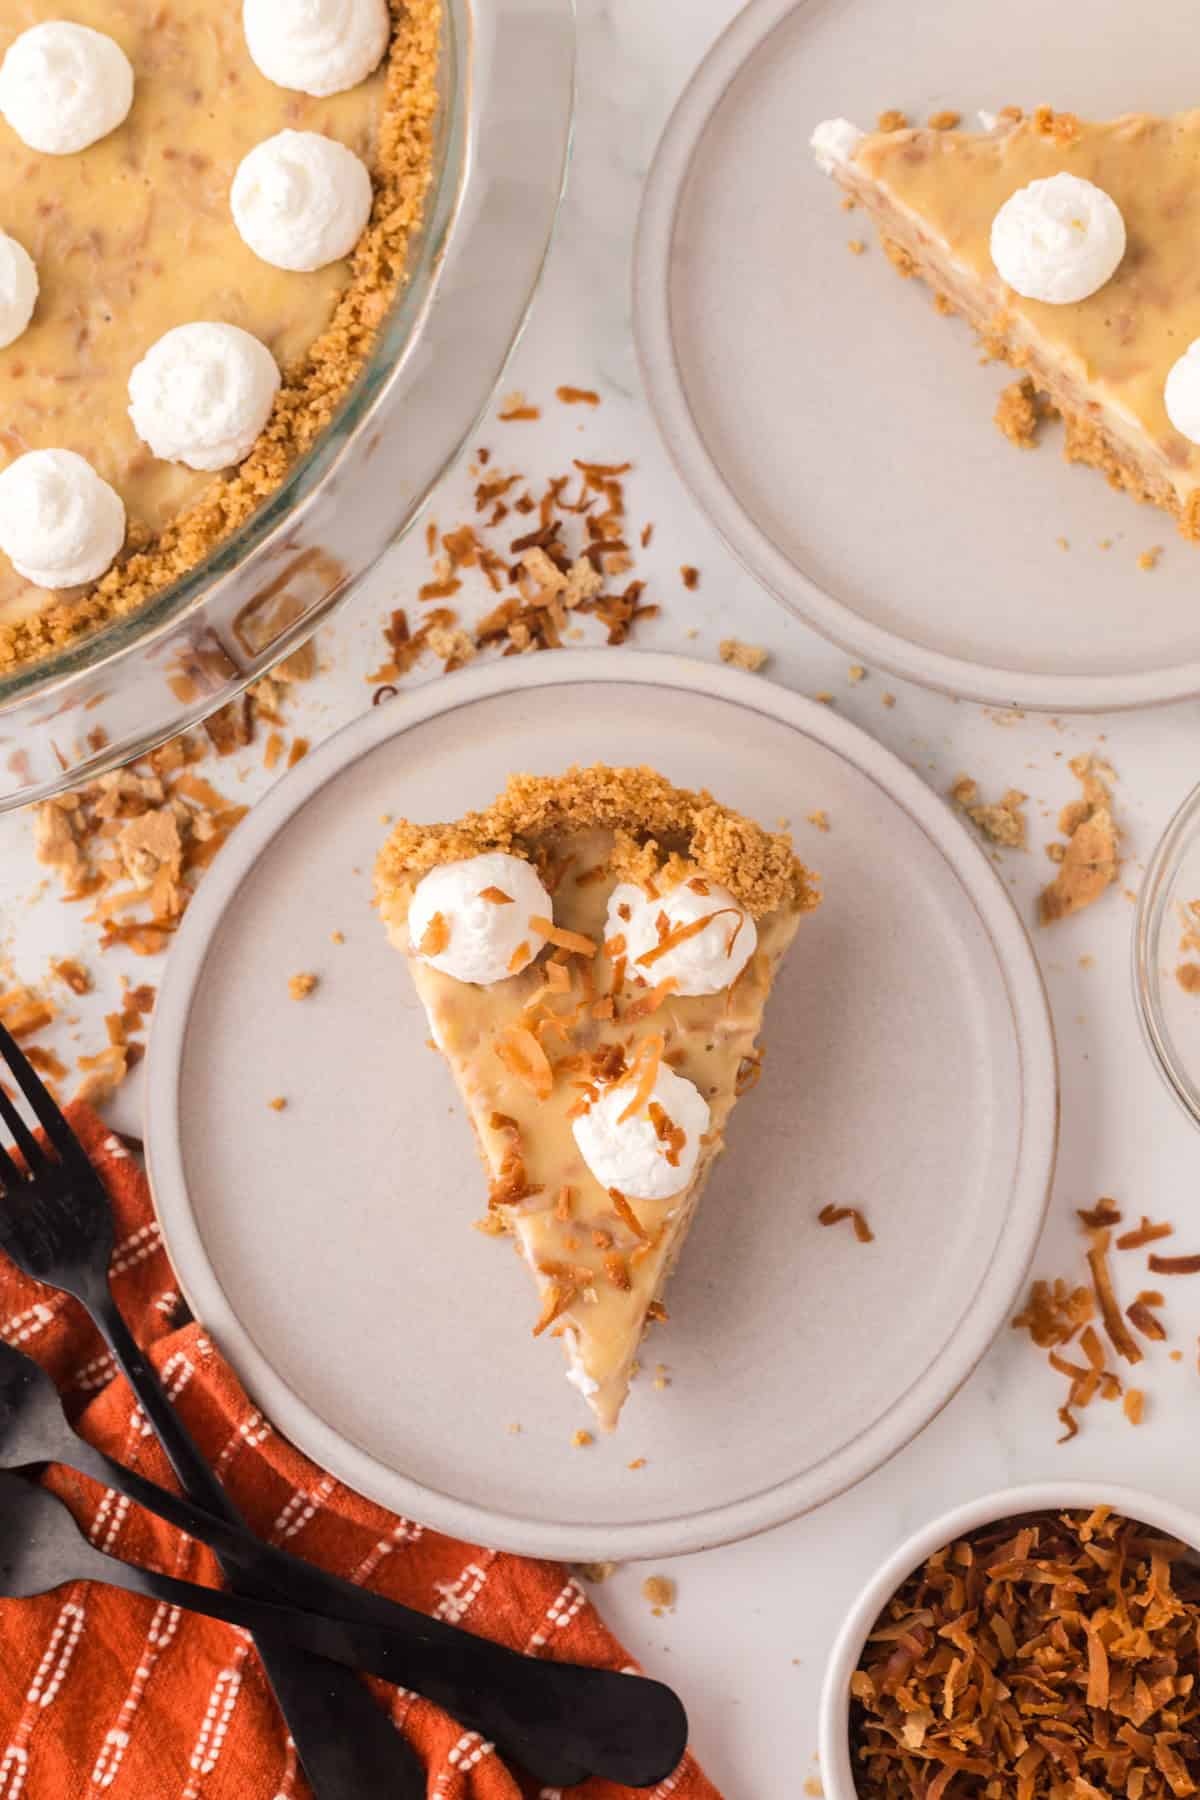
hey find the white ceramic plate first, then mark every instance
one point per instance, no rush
(835, 427)
(328, 1248)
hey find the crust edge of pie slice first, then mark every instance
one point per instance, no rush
(600, 1259)
(1102, 362)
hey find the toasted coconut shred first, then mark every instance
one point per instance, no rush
(1050, 1657)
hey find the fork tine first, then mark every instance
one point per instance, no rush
(38, 1096)
(27, 1144)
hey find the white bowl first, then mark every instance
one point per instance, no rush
(1009, 1503)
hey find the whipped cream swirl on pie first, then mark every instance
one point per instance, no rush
(647, 1151)
(473, 919)
(202, 394)
(18, 289)
(60, 523)
(1058, 239)
(834, 141)
(1181, 393)
(316, 46)
(301, 200)
(64, 86)
(696, 936)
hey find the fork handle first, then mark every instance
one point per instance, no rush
(349, 1747)
(195, 1475)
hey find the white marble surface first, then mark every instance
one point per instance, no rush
(747, 1641)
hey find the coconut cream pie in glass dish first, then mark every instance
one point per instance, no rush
(1069, 246)
(594, 953)
(226, 228)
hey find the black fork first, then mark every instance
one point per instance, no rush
(56, 1225)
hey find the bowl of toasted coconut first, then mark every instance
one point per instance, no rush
(1042, 1643)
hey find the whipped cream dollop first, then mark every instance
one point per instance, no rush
(1181, 393)
(202, 394)
(301, 200)
(704, 961)
(63, 86)
(60, 523)
(1059, 239)
(470, 919)
(834, 141)
(640, 1156)
(316, 46)
(18, 289)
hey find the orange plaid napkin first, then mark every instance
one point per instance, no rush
(101, 1690)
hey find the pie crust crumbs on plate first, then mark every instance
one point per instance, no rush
(533, 1052)
(314, 383)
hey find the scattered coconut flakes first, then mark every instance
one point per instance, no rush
(547, 560)
(1089, 861)
(24, 1011)
(72, 974)
(750, 657)
(1004, 822)
(1057, 1315)
(516, 406)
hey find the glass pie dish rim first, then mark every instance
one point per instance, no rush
(1150, 919)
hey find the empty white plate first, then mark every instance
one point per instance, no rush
(833, 425)
(328, 1248)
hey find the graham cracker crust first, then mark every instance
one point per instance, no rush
(655, 826)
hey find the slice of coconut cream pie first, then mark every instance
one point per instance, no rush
(594, 953)
(1071, 247)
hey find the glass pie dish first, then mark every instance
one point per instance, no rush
(1166, 941)
(506, 89)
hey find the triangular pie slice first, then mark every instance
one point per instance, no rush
(1103, 361)
(582, 1031)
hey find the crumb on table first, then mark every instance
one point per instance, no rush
(1004, 822)
(278, 1104)
(301, 986)
(659, 1591)
(892, 120)
(743, 656)
(1089, 861)
(582, 1439)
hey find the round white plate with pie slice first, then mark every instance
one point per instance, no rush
(836, 429)
(328, 1247)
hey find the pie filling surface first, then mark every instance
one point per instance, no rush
(1102, 361)
(531, 1052)
(134, 236)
